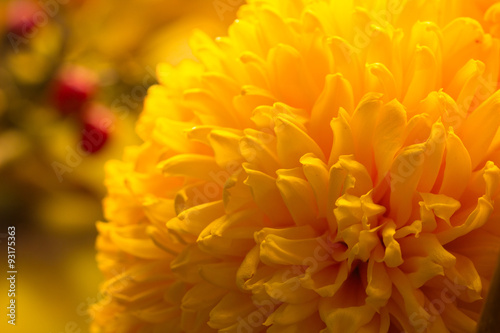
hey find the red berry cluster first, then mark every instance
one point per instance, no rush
(72, 94)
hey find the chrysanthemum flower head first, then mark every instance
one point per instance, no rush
(329, 166)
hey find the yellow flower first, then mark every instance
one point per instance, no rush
(329, 166)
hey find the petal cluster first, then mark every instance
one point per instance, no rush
(327, 167)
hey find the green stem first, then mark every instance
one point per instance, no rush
(490, 317)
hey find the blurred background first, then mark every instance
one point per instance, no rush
(73, 76)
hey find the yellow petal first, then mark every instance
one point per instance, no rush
(316, 173)
(204, 103)
(275, 250)
(250, 98)
(341, 318)
(442, 206)
(132, 240)
(190, 165)
(248, 266)
(327, 281)
(420, 270)
(405, 174)
(257, 69)
(229, 310)
(378, 78)
(427, 245)
(288, 314)
(474, 221)
(392, 257)
(462, 38)
(226, 149)
(201, 296)
(290, 154)
(388, 136)
(186, 264)
(267, 196)
(284, 286)
(336, 94)
(464, 86)
(222, 87)
(220, 274)
(362, 128)
(379, 288)
(362, 180)
(211, 241)
(457, 168)
(195, 219)
(433, 157)
(343, 142)
(298, 196)
(456, 319)
(422, 76)
(171, 133)
(287, 66)
(347, 61)
(256, 148)
(412, 297)
(485, 120)
(464, 274)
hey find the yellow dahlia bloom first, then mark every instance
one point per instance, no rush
(329, 166)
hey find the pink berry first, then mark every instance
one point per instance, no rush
(73, 89)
